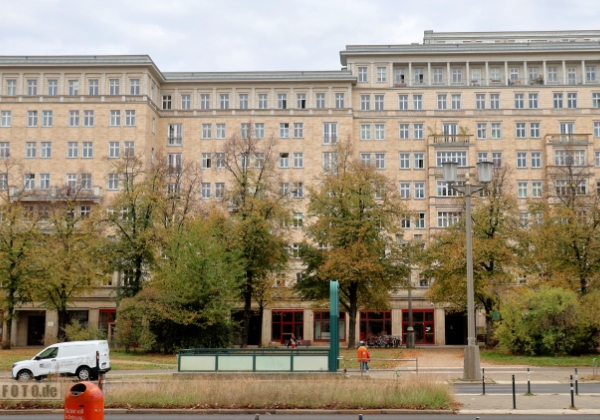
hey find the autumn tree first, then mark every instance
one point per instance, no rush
(354, 236)
(494, 225)
(256, 206)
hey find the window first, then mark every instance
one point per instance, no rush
(418, 131)
(571, 75)
(339, 101)
(482, 131)
(459, 157)
(362, 75)
(221, 131)
(536, 189)
(166, 102)
(32, 118)
(569, 158)
(297, 220)
(496, 130)
(87, 151)
(113, 182)
(186, 102)
(438, 76)
(11, 87)
(522, 187)
(88, 118)
(322, 326)
(399, 76)
(113, 149)
(329, 161)
(519, 101)
(379, 160)
(284, 160)
(381, 75)
(365, 102)
(441, 101)
(115, 118)
(417, 102)
(482, 157)
(113, 86)
(419, 190)
(298, 160)
(567, 128)
(205, 190)
(284, 130)
(5, 118)
(320, 100)
(219, 190)
(571, 100)
(402, 102)
(456, 102)
(206, 160)
(420, 220)
(220, 160)
(329, 133)
(47, 118)
(174, 162)
(298, 130)
(379, 131)
(46, 150)
(31, 87)
(521, 160)
(497, 159)
(262, 100)
(73, 118)
(134, 87)
(245, 130)
(175, 134)
(73, 87)
(404, 159)
(206, 131)
(243, 100)
(495, 101)
(480, 101)
(456, 75)
(204, 101)
(596, 129)
(534, 129)
(590, 74)
(379, 104)
(444, 190)
(418, 76)
(533, 100)
(86, 181)
(446, 218)
(365, 131)
(282, 100)
(93, 87)
(128, 148)
(224, 101)
(44, 181)
(29, 181)
(73, 149)
(259, 130)
(30, 149)
(405, 190)
(520, 130)
(558, 100)
(52, 87)
(153, 126)
(552, 74)
(298, 190)
(301, 100)
(4, 149)
(130, 118)
(419, 160)
(536, 159)
(403, 131)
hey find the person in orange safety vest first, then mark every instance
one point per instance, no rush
(363, 356)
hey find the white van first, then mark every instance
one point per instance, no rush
(77, 358)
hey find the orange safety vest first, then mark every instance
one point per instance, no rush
(362, 354)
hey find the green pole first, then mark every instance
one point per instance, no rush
(334, 325)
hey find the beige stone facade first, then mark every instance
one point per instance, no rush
(521, 99)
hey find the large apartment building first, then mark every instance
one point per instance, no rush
(524, 100)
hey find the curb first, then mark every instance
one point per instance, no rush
(233, 411)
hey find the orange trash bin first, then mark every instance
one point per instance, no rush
(84, 401)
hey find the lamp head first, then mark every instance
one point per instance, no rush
(450, 171)
(484, 171)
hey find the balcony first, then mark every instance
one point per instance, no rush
(64, 193)
(565, 139)
(174, 140)
(450, 139)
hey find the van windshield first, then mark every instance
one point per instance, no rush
(49, 353)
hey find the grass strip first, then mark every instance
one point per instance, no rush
(496, 357)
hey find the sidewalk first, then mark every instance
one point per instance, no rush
(541, 404)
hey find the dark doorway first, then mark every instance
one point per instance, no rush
(456, 328)
(35, 330)
(255, 323)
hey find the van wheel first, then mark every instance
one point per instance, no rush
(84, 373)
(24, 376)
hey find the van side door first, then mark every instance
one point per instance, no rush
(47, 362)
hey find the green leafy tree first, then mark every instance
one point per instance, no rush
(444, 262)
(354, 233)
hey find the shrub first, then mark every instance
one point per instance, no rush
(76, 332)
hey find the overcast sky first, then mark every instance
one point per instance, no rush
(250, 35)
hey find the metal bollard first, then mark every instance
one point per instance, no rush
(576, 383)
(360, 417)
(572, 394)
(256, 417)
(102, 381)
(528, 383)
(514, 393)
(483, 380)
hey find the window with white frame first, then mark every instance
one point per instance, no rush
(175, 134)
(552, 74)
(480, 101)
(44, 181)
(74, 118)
(284, 130)
(93, 87)
(220, 160)
(298, 160)
(404, 160)
(31, 150)
(456, 75)
(174, 162)
(456, 101)
(522, 187)
(402, 102)
(282, 100)
(112, 181)
(534, 130)
(205, 190)
(379, 131)
(536, 189)
(520, 130)
(72, 181)
(419, 190)
(263, 99)
(284, 160)
(496, 130)
(87, 150)
(399, 76)
(572, 100)
(219, 190)
(365, 159)
(419, 160)
(115, 118)
(86, 181)
(88, 118)
(329, 161)
(297, 220)
(444, 190)
(494, 101)
(569, 158)
(5, 118)
(405, 190)
(365, 102)
(340, 101)
(206, 160)
(596, 100)
(259, 130)
(113, 87)
(420, 218)
(418, 133)
(113, 149)
(558, 100)
(590, 73)
(32, 87)
(243, 101)
(441, 101)
(129, 148)
(497, 159)
(46, 152)
(166, 102)
(418, 75)
(204, 101)
(533, 101)
(536, 160)
(379, 160)
(403, 131)
(301, 100)
(11, 87)
(221, 131)
(298, 189)
(245, 130)
(32, 118)
(482, 157)
(482, 131)
(571, 75)
(224, 101)
(320, 100)
(514, 75)
(73, 87)
(206, 130)
(134, 86)
(438, 76)
(4, 149)
(417, 102)
(130, 118)
(52, 87)
(29, 181)
(521, 160)
(519, 100)
(329, 133)
(447, 218)
(72, 149)
(47, 118)
(298, 130)
(458, 157)
(596, 128)
(362, 75)
(186, 102)
(381, 74)
(404, 224)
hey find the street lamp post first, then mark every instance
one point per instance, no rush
(472, 371)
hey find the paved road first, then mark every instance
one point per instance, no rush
(492, 389)
(301, 417)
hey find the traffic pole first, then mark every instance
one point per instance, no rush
(576, 383)
(514, 393)
(483, 380)
(572, 393)
(528, 383)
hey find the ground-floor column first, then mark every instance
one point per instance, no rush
(396, 322)
(51, 324)
(309, 324)
(266, 328)
(440, 326)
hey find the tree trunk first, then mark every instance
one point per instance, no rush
(7, 319)
(247, 316)
(63, 316)
(489, 327)
(353, 301)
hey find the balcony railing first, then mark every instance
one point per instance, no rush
(568, 138)
(330, 138)
(93, 194)
(174, 140)
(450, 139)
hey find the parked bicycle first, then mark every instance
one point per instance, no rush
(384, 341)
